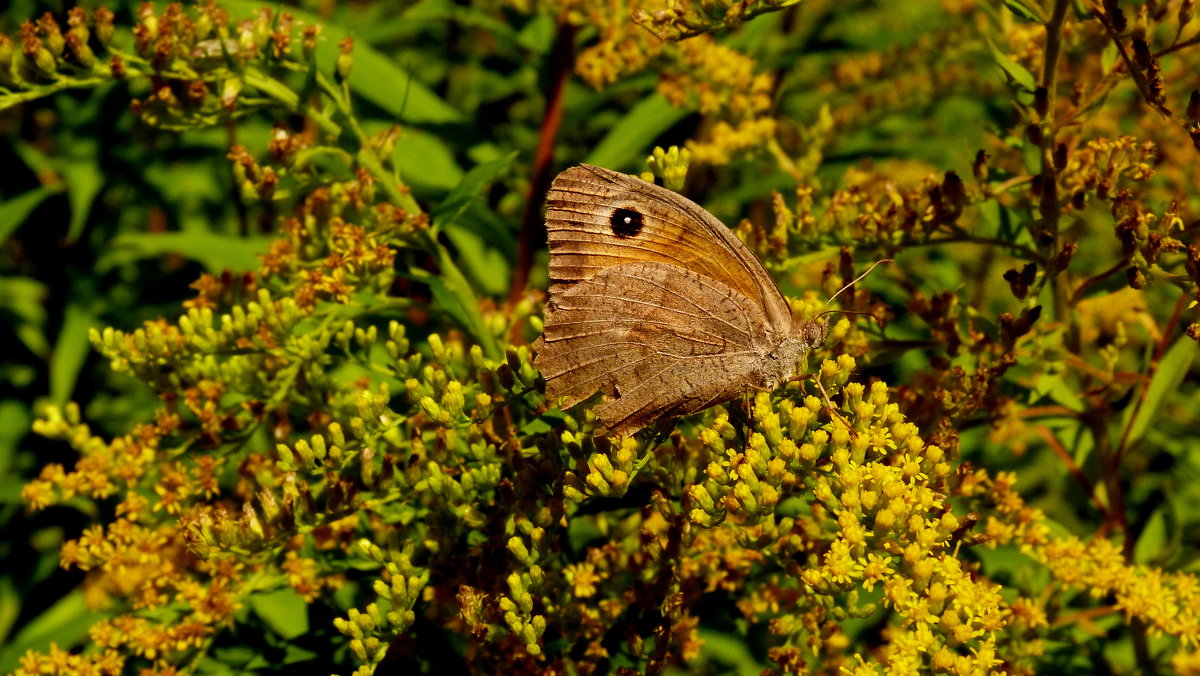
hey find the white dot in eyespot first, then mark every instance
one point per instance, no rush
(626, 222)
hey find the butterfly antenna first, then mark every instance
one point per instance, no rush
(832, 408)
(873, 265)
(851, 312)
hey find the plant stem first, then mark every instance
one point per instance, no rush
(562, 57)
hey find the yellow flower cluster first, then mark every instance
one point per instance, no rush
(717, 81)
(727, 141)
(58, 661)
(721, 83)
(878, 207)
(103, 468)
(1167, 602)
(622, 49)
(341, 239)
(1100, 165)
(876, 491)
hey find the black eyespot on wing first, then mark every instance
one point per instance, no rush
(626, 223)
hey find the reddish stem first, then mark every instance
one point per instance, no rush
(562, 58)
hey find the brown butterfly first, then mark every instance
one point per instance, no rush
(654, 302)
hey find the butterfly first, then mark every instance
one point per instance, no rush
(655, 303)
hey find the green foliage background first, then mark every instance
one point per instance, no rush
(1043, 336)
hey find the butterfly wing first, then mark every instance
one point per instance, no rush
(597, 218)
(657, 339)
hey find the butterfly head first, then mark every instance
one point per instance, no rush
(811, 332)
(787, 358)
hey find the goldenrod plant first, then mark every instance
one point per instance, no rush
(271, 278)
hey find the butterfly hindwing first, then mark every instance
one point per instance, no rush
(655, 338)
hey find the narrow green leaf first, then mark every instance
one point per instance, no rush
(481, 259)
(1152, 541)
(214, 251)
(453, 294)
(10, 607)
(538, 35)
(83, 184)
(65, 623)
(425, 162)
(83, 179)
(1023, 80)
(633, 137)
(1170, 374)
(13, 212)
(25, 301)
(480, 264)
(70, 352)
(1023, 10)
(1057, 389)
(733, 654)
(544, 422)
(471, 188)
(17, 419)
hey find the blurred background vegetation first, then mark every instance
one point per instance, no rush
(1037, 318)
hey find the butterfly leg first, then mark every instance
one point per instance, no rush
(825, 397)
(833, 410)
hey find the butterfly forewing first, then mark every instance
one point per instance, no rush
(597, 218)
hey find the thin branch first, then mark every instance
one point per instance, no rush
(1096, 279)
(562, 57)
(1072, 468)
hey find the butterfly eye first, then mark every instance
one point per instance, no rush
(626, 223)
(814, 334)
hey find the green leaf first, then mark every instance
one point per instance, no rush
(633, 136)
(65, 623)
(1054, 386)
(13, 212)
(10, 607)
(1023, 10)
(83, 178)
(454, 296)
(1023, 80)
(1152, 540)
(214, 251)
(452, 293)
(538, 35)
(228, 661)
(1109, 56)
(283, 610)
(733, 654)
(471, 188)
(70, 352)
(425, 162)
(482, 260)
(544, 422)
(17, 419)
(25, 299)
(1166, 381)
